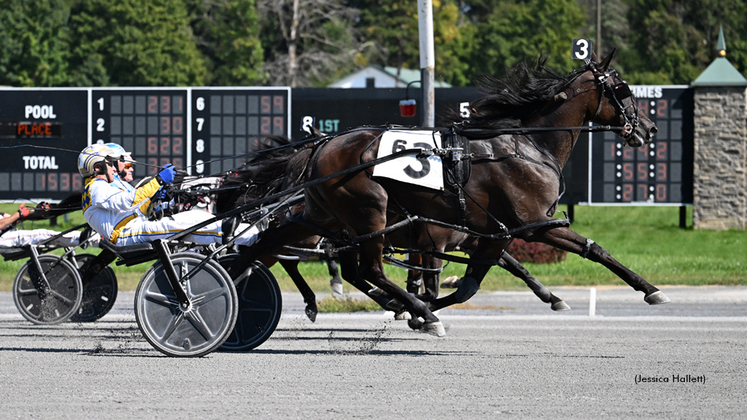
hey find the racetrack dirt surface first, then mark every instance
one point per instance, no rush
(508, 356)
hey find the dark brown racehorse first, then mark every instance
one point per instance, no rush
(265, 174)
(513, 189)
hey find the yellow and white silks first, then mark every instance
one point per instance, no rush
(120, 217)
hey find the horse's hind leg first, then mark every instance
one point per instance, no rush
(372, 269)
(349, 269)
(423, 284)
(514, 267)
(476, 271)
(335, 283)
(568, 240)
(269, 242)
(414, 277)
(291, 267)
(430, 278)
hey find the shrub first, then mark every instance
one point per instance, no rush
(535, 252)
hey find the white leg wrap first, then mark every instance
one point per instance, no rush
(587, 248)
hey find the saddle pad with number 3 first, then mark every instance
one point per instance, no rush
(423, 171)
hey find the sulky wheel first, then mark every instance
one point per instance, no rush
(99, 294)
(198, 329)
(260, 305)
(49, 298)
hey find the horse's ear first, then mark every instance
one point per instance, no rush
(594, 58)
(606, 62)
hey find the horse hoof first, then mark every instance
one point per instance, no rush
(434, 328)
(560, 306)
(311, 313)
(335, 286)
(452, 282)
(415, 323)
(656, 298)
(402, 316)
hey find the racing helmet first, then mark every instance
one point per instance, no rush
(89, 157)
(118, 152)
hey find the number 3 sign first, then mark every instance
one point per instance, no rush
(412, 169)
(581, 49)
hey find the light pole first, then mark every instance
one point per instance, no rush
(427, 62)
(599, 28)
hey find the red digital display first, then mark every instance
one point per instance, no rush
(30, 130)
(226, 124)
(650, 174)
(150, 124)
(229, 124)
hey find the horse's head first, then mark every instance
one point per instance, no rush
(615, 104)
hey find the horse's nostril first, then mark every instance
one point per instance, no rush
(653, 131)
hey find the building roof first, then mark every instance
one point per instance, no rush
(383, 77)
(720, 72)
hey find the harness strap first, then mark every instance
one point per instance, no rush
(460, 171)
(402, 264)
(445, 257)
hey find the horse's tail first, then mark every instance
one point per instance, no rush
(264, 174)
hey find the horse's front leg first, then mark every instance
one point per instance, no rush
(510, 264)
(269, 242)
(568, 240)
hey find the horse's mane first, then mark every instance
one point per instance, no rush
(509, 99)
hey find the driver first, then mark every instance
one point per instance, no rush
(123, 176)
(121, 216)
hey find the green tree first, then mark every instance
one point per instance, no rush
(512, 31)
(614, 23)
(134, 43)
(308, 42)
(675, 40)
(227, 34)
(454, 39)
(33, 51)
(392, 27)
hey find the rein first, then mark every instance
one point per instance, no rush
(527, 130)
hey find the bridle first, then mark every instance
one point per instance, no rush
(620, 91)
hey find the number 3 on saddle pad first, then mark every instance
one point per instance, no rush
(423, 171)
